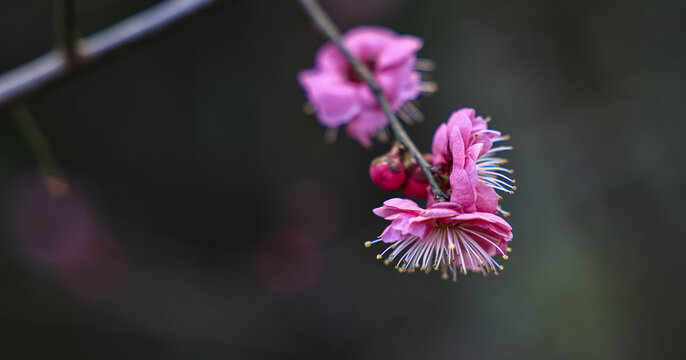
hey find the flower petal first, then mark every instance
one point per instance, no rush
(439, 145)
(364, 127)
(462, 119)
(400, 50)
(390, 235)
(335, 101)
(486, 198)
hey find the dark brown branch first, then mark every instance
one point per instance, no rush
(326, 25)
(26, 80)
(66, 27)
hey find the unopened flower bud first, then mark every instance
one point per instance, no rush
(387, 172)
(417, 185)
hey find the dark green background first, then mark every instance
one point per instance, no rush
(193, 146)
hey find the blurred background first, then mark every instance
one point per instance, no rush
(208, 218)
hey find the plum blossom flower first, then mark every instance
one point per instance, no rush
(463, 149)
(341, 98)
(442, 238)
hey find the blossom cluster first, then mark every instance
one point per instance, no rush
(466, 231)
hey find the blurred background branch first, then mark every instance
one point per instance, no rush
(66, 27)
(53, 176)
(28, 79)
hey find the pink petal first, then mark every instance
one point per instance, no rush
(439, 144)
(335, 101)
(479, 124)
(489, 223)
(403, 204)
(485, 138)
(390, 235)
(399, 51)
(328, 58)
(364, 127)
(456, 147)
(462, 191)
(462, 119)
(474, 150)
(399, 85)
(367, 42)
(437, 213)
(486, 198)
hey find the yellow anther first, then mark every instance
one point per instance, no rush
(367, 243)
(501, 267)
(509, 249)
(505, 257)
(379, 257)
(444, 276)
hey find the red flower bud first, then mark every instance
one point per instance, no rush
(387, 172)
(416, 185)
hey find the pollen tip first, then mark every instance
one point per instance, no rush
(379, 257)
(509, 249)
(367, 243)
(444, 276)
(387, 261)
(500, 197)
(501, 267)
(505, 257)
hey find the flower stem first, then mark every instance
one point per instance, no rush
(53, 175)
(322, 20)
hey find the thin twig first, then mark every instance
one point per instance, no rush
(28, 79)
(66, 27)
(55, 180)
(322, 20)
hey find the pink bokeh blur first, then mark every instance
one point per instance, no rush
(64, 237)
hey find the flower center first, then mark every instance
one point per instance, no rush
(354, 77)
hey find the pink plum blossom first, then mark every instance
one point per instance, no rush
(463, 149)
(441, 237)
(341, 98)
